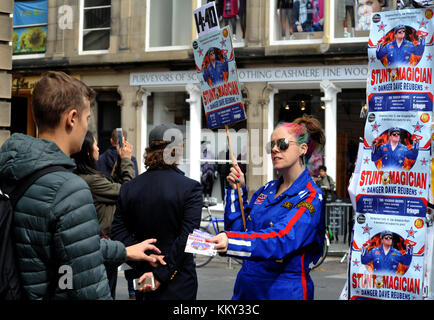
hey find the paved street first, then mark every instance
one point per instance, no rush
(216, 280)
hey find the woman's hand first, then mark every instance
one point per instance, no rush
(126, 151)
(220, 242)
(234, 176)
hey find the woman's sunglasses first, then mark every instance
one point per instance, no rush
(282, 144)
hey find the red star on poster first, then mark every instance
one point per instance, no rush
(422, 24)
(382, 26)
(411, 232)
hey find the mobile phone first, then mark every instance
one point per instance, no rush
(150, 281)
(120, 136)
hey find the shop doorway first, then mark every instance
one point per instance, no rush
(109, 117)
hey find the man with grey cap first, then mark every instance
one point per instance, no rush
(386, 258)
(393, 153)
(400, 50)
(164, 203)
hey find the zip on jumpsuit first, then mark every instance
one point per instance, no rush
(284, 236)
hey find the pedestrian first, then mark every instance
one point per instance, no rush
(326, 183)
(165, 204)
(285, 220)
(55, 224)
(108, 158)
(105, 191)
(105, 164)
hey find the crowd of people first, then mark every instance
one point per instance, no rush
(94, 220)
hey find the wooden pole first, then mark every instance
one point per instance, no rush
(234, 162)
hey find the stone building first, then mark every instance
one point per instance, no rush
(137, 55)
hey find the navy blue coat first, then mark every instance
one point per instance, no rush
(166, 205)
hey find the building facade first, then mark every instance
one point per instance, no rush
(137, 55)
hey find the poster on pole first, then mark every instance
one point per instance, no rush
(217, 73)
(389, 244)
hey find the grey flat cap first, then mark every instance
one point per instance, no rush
(159, 133)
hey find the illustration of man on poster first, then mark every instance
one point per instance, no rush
(385, 258)
(393, 154)
(394, 49)
(215, 68)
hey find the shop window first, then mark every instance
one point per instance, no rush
(95, 23)
(353, 17)
(30, 27)
(350, 128)
(171, 107)
(291, 104)
(169, 24)
(232, 13)
(215, 157)
(296, 20)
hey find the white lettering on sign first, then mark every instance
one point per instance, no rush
(313, 73)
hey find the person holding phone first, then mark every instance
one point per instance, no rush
(285, 220)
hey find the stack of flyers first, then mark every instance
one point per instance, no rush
(196, 243)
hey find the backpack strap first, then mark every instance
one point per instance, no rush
(24, 183)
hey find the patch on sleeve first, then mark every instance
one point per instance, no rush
(288, 205)
(309, 206)
(261, 198)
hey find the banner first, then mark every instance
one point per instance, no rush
(388, 248)
(30, 26)
(218, 78)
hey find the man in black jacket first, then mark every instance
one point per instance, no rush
(164, 204)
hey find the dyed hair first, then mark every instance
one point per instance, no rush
(306, 129)
(86, 164)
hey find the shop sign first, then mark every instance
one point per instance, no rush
(288, 74)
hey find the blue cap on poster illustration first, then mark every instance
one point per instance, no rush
(385, 233)
(394, 129)
(398, 27)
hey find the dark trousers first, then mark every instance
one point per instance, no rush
(112, 276)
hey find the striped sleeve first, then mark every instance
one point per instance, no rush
(296, 228)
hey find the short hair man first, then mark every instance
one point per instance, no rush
(107, 159)
(55, 220)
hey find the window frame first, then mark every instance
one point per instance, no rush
(272, 33)
(148, 48)
(82, 30)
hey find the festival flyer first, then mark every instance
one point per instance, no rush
(388, 249)
(217, 73)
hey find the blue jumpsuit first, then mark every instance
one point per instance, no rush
(284, 236)
(394, 158)
(215, 73)
(386, 262)
(402, 54)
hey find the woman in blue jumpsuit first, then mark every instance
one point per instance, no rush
(285, 220)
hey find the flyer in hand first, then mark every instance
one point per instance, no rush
(196, 243)
(388, 248)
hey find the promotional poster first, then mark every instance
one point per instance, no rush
(217, 74)
(388, 250)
